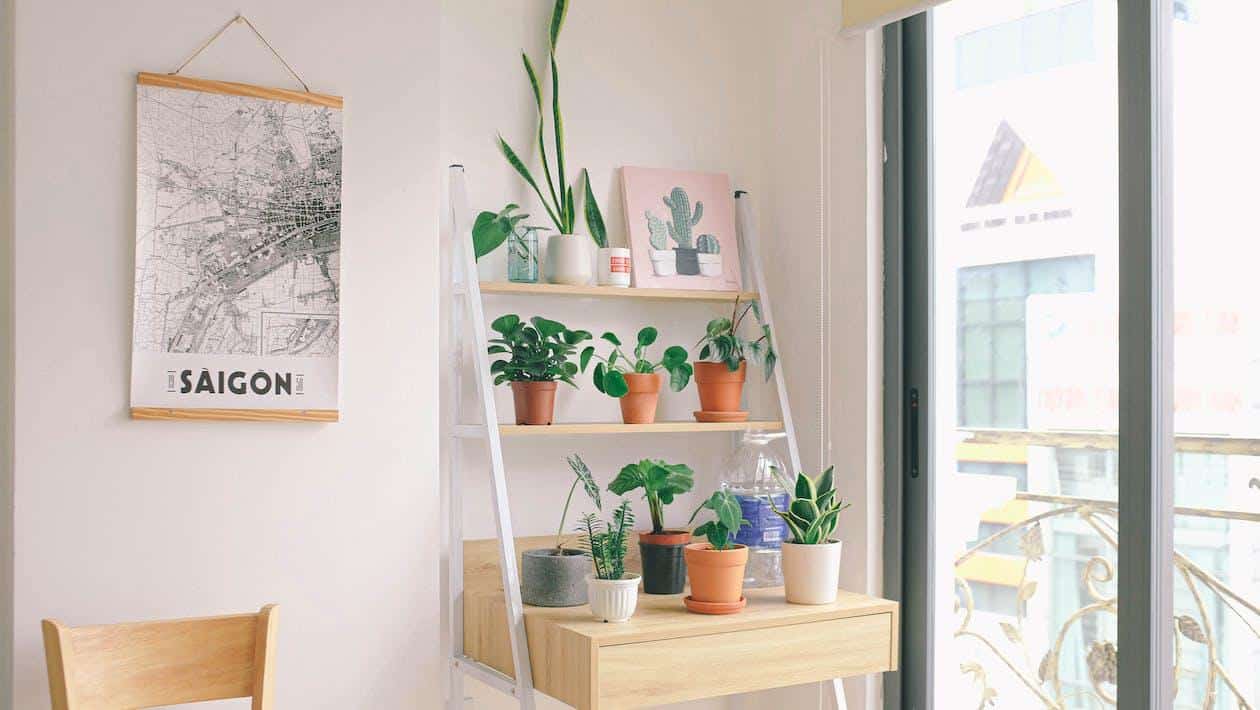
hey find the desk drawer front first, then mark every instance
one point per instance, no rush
(674, 670)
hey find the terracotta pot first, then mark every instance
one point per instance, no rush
(716, 575)
(535, 402)
(638, 406)
(664, 570)
(720, 389)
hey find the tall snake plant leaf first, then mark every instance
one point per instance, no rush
(557, 128)
(523, 171)
(542, 143)
(594, 218)
(558, 13)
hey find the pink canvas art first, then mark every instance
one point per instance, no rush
(682, 229)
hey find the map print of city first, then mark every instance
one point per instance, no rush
(238, 236)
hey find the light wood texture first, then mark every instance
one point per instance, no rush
(151, 663)
(666, 654)
(169, 81)
(659, 294)
(237, 415)
(619, 428)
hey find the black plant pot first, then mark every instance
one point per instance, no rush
(664, 569)
(687, 261)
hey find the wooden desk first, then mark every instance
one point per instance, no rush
(666, 654)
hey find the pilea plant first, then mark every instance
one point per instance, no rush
(582, 475)
(722, 341)
(607, 547)
(812, 514)
(728, 518)
(538, 351)
(660, 482)
(609, 375)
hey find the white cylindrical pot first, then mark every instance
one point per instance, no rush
(811, 573)
(710, 264)
(613, 599)
(569, 259)
(614, 266)
(664, 263)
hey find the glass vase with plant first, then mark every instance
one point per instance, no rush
(715, 568)
(613, 592)
(568, 258)
(661, 550)
(722, 362)
(811, 559)
(539, 355)
(636, 381)
(556, 576)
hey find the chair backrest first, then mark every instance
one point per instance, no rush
(154, 663)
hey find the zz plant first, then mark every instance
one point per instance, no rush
(812, 514)
(660, 482)
(607, 547)
(722, 341)
(610, 371)
(538, 351)
(728, 518)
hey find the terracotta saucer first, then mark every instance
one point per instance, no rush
(714, 607)
(721, 417)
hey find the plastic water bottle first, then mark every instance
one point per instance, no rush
(749, 475)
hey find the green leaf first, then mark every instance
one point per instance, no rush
(615, 384)
(804, 509)
(674, 356)
(805, 488)
(598, 377)
(505, 324)
(585, 358)
(706, 352)
(583, 472)
(547, 328)
(825, 483)
(630, 477)
(647, 336)
(717, 326)
(679, 376)
(726, 508)
(523, 171)
(542, 144)
(594, 219)
(488, 233)
(612, 338)
(557, 20)
(557, 124)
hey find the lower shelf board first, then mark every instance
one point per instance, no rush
(619, 428)
(665, 654)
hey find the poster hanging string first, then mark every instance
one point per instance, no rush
(234, 21)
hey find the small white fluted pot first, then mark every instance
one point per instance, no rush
(811, 573)
(613, 599)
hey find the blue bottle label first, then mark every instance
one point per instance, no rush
(765, 528)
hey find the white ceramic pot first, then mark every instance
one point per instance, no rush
(569, 259)
(613, 599)
(710, 264)
(614, 266)
(811, 573)
(664, 263)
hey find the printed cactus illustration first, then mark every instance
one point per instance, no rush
(657, 230)
(679, 205)
(708, 244)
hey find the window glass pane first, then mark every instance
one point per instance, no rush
(1216, 536)
(1024, 404)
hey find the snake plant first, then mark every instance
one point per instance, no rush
(812, 513)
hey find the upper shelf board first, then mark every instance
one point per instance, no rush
(658, 294)
(618, 428)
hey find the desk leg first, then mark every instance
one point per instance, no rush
(837, 689)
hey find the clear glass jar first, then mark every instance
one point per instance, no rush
(523, 256)
(749, 475)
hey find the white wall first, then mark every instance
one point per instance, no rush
(6, 348)
(119, 520)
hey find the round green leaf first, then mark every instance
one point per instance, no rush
(615, 384)
(647, 336)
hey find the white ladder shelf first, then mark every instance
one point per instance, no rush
(460, 280)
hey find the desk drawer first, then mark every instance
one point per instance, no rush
(674, 670)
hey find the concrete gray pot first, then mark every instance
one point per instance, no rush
(548, 579)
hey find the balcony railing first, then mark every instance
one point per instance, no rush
(1007, 642)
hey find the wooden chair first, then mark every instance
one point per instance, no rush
(153, 663)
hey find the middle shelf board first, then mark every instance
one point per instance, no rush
(619, 428)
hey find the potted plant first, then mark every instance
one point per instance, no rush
(723, 363)
(686, 259)
(664, 570)
(664, 263)
(811, 559)
(636, 381)
(556, 576)
(716, 568)
(613, 592)
(491, 229)
(710, 255)
(568, 254)
(539, 355)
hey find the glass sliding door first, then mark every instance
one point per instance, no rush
(1023, 400)
(1216, 582)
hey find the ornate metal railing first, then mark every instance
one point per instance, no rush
(1043, 681)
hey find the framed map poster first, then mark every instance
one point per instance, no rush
(238, 252)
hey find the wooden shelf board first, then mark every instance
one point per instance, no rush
(619, 428)
(585, 662)
(659, 294)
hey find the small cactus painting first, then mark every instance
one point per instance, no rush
(678, 241)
